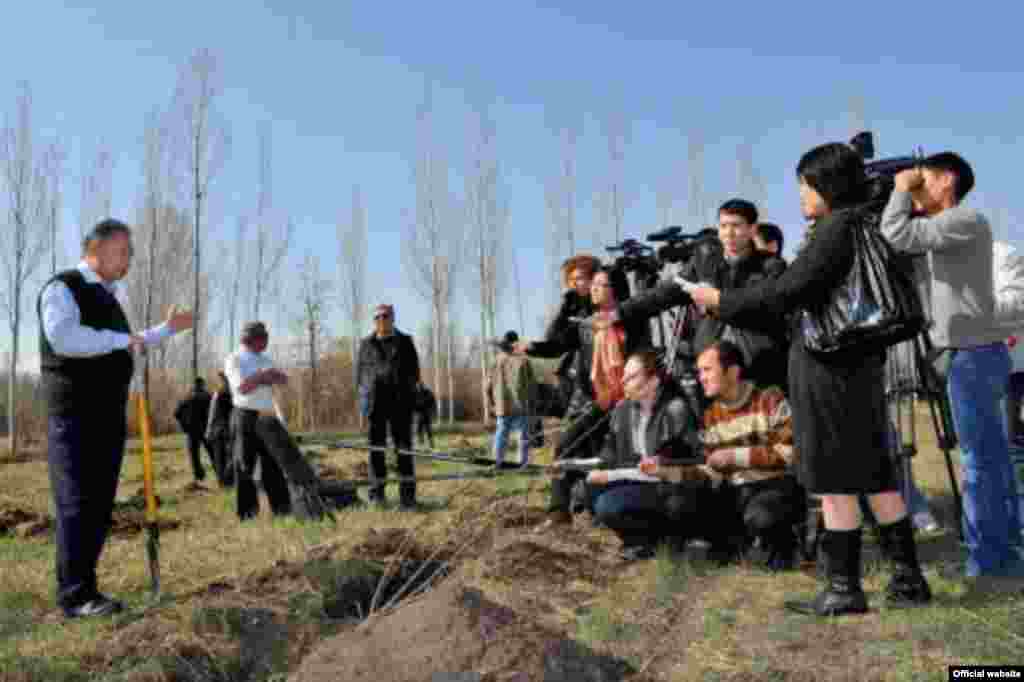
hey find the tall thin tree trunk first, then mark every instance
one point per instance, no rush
(195, 268)
(451, 381)
(12, 377)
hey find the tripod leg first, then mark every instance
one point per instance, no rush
(932, 387)
(946, 444)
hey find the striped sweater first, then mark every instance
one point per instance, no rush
(756, 430)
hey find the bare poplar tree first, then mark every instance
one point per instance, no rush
(163, 260)
(24, 240)
(487, 222)
(696, 198)
(206, 142)
(156, 196)
(237, 258)
(314, 296)
(612, 197)
(273, 234)
(97, 188)
(428, 244)
(561, 202)
(55, 156)
(352, 242)
(749, 183)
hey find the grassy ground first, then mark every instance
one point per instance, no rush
(672, 618)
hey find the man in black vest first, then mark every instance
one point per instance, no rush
(85, 348)
(192, 415)
(388, 370)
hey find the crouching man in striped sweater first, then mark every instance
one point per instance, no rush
(748, 446)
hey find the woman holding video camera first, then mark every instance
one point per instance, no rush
(839, 412)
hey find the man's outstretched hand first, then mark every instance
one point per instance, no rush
(179, 320)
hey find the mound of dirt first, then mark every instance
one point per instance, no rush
(527, 560)
(23, 523)
(127, 522)
(388, 543)
(523, 518)
(454, 629)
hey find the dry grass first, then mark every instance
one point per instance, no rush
(673, 618)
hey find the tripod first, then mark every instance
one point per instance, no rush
(910, 377)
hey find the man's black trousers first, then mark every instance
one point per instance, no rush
(222, 456)
(424, 429)
(250, 430)
(196, 441)
(767, 509)
(85, 449)
(397, 419)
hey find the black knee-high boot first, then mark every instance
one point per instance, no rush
(908, 585)
(840, 552)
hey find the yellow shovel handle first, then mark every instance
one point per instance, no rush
(147, 459)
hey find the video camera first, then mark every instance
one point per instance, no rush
(881, 173)
(679, 247)
(635, 257)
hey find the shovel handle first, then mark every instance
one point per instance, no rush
(147, 459)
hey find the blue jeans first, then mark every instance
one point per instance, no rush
(1017, 459)
(633, 510)
(977, 386)
(506, 425)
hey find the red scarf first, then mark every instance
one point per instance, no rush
(609, 364)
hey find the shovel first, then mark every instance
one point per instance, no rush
(152, 530)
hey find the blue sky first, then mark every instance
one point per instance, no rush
(340, 83)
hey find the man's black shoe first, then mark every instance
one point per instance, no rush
(907, 591)
(98, 606)
(637, 552)
(830, 603)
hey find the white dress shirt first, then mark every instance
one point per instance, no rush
(239, 366)
(62, 322)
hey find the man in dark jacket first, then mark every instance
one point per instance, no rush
(192, 414)
(654, 421)
(218, 433)
(388, 370)
(425, 412)
(736, 265)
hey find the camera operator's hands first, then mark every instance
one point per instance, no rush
(706, 297)
(650, 465)
(909, 180)
(723, 460)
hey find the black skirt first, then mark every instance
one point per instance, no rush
(840, 422)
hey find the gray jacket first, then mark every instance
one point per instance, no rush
(958, 291)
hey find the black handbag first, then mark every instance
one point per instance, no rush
(875, 307)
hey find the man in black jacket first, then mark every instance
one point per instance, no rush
(737, 264)
(192, 415)
(218, 433)
(425, 412)
(388, 371)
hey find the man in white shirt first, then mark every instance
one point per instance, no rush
(251, 375)
(85, 349)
